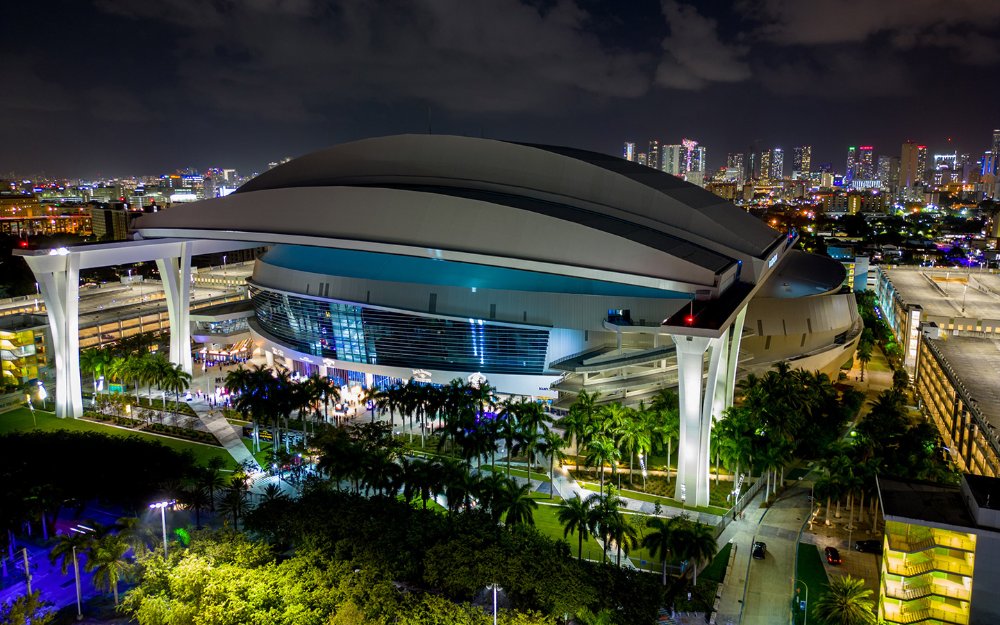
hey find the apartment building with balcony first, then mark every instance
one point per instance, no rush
(939, 538)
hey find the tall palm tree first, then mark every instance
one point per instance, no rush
(578, 424)
(234, 504)
(632, 437)
(601, 450)
(660, 540)
(625, 534)
(552, 447)
(508, 421)
(607, 513)
(695, 543)
(664, 422)
(528, 441)
(106, 559)
(517, 504)
(67, 549)
(174, 379)
(137, 536)
(577, 516)
(845, 602)
(195, 496)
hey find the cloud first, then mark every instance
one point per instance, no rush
(694, 55)
(957, 24)
(294, 59)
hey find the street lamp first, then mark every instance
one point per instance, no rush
(805, 610)
(79, 529)
(42, 394)
(223, 264)
(495, 587)
(162, 505)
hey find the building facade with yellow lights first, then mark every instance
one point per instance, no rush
(938, 540)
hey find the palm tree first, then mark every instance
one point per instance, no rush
(864, 356)
(577, 516)
(528, 441)
(552, 447)
(234, 503)
(174, 379)
(578, 424)
(632, 437)
(661, 541)
(845, 602)
(106, 558)
(625, 534)
(137, 536)
(95, 361)
(272, 492)
(195, 495)
(507, 422)
(517, 504)
(67, 548)
(664, 422)
(601, 450)
(696, 544)
(607, 510)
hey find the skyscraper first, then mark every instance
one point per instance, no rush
(629, 151)
(996, 143)
(777, 171)
(672, 160)
(921, 162)
(736, 167)
(866, 163)
(909, 165)
(852, 164)
(653, 155)
(888, 171)
(801, 162)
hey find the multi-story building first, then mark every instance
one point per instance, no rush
(653, 155)
(963, 403)
(777, 164)
(736, 168)
(866, 163)
(888, 172)
(629, 152)
(941, 551)
(673, 160)
(850, 172)
(910, 172)
(801, 162)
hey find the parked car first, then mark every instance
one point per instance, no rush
(868, 546)
(758, 550)
(832, 555)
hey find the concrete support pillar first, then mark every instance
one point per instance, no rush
(59, 282)
(699, 397)
(269, 357)
(736, 337)
(175, 273)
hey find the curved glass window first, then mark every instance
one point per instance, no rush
(354, 333)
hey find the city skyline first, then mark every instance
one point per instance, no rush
(175, 84)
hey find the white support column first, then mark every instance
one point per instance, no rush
(736, 334)
(695, 414)
(175, 273)
(59, 282)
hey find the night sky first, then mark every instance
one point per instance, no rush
(146, 86)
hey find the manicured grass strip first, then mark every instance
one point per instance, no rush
(664, 501)
(19, 420)
(716, 571)
(811, 571)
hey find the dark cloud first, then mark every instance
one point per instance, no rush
(694, 55)
(289, 59)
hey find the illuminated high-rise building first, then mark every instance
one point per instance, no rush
(673, 160)
(921, 163)
(736, 167)
(653, 155)
(888, 171)
(777, 171)
(801, 162)
(909, 165)
(866, 163)
(852, 163)
(996, 144)
(629, 153)
(693, 157)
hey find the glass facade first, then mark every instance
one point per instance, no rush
(352, 333)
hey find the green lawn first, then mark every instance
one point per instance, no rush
(20, 420)
(809, 570)
(716, 571)
(666, 502)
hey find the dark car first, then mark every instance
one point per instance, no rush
(832, 555)
(868, 546)
(758, 550)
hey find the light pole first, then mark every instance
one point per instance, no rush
(42, 394)
(80, 529)
(162, 505)
(805, 616)
(31, 407)
(27, 570)
(223, 264)
(495, 587)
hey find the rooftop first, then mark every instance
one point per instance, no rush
(949, 293)
(968, 358)
(924, 501)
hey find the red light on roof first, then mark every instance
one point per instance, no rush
(921, 147)
(689, 320)
(23, 243)
(867, 147)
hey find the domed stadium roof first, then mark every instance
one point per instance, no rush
(528, 207)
